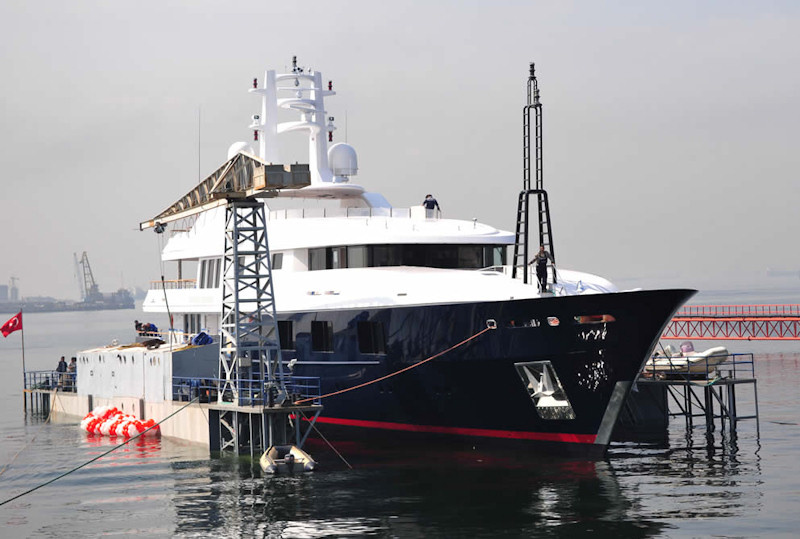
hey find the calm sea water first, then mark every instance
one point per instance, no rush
(690, 486)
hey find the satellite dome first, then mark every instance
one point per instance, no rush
(237, 147)
(343, 160)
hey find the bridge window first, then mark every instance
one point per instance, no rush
(357, 256)
(425, 255)
(277, 261)
(338, 257)
(317, 259)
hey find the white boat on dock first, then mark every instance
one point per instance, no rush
(686, 362)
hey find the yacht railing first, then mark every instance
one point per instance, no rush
(173, 284)
(416, 212)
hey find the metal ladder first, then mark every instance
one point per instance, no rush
(521, 254)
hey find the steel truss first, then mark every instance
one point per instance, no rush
(735, 322)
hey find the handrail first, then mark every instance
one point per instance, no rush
(735, 366)
(173, 284)
(251, 390)
(47, 380)
(350, 212)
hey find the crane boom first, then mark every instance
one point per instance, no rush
(90, 289)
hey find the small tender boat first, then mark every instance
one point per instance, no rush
(286, 459)
(686, 361)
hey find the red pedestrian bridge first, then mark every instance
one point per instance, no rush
(736, 322)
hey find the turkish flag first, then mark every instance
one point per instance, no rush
(12, 325)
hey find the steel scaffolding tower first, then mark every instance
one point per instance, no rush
(250, 367)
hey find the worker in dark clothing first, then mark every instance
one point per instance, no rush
(430, 203)
(62, 371)
(540, 259)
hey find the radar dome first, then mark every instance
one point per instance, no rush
(342, 159)
(237, 147)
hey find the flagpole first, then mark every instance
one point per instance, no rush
(24, 377)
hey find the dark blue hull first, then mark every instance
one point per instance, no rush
(555, 371)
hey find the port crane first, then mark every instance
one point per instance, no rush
(88, 287)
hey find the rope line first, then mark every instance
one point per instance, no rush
(314, 426)
(490, 324)
(98, 457)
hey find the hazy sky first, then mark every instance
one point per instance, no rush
(670, 128)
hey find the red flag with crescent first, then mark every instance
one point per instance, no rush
(14, 324)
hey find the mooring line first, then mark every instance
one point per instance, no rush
(98, 457)
(490, 324)
(314, 426)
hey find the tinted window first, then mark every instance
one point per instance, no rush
(316, 259)
(321, 336)
(427, 255)
(357, 256)
(286, 334)
(371, 338)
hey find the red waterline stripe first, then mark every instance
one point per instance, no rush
(489, 433)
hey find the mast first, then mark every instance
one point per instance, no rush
(306, 97)
(521, 243)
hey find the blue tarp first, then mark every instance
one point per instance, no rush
(202, 338)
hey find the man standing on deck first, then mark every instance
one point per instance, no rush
(540, 259)
(72, 370)
(431, 203)
(61, 370)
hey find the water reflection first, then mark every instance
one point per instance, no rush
(538, 498)
(160, 487)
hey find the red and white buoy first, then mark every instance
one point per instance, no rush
(109, 421)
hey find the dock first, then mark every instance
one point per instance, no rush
(709, 398)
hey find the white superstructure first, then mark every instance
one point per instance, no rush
(353, 250)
